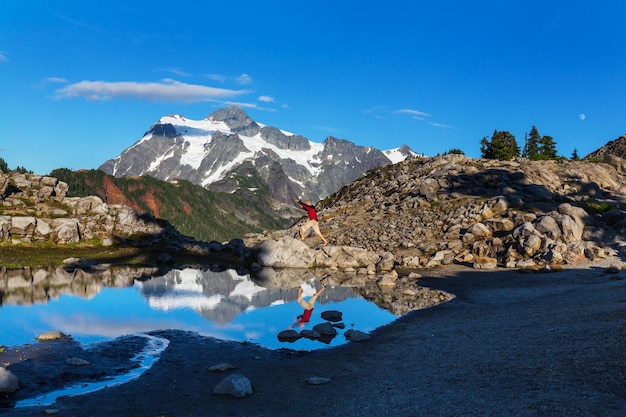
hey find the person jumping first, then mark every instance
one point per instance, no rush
(312, 223)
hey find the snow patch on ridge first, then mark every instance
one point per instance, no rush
(394, 155)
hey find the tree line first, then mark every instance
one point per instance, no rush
(503, 145)
(4, 167)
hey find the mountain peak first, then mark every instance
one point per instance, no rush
(236, 119)
(210, 152)
(615, 147)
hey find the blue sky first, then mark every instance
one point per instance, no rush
(80, 81)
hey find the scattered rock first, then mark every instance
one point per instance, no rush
(8, 382)
(485, 263)
(235, 385)
(317, 380)
(76, 361)
(356, 335)
(325, 329)
(288, 336)
(310, 334)
(332, 315)
(222, 367)
(51, 335)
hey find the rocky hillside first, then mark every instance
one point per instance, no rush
(432, 211)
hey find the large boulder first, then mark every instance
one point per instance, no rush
(8, 382)
(234, 385)
(23, 225)
(284, 253)
(66, 231)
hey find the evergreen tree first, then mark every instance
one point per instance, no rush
(532, 144)
(575, 156)
(502, 146)
(3, 166)
(539, 147)
(454, 151)
(485, 148)
(547, 148)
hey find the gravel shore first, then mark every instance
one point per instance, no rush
(511, 343)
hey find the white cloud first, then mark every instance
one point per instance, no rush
(441, 125)
(55, 80)
(3, 57)
(165, 90)
(177, 71)
(242, 104)
(244, 79)
(267, 99)
(415, 113)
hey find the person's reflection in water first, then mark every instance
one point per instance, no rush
(307, 306)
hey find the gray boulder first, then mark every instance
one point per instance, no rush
(235, 385)
(284, 253)
(356, 335)
(289, 336)
(23, 225)
(8, 382)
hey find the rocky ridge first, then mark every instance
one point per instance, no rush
(428, 212)
(615, 147)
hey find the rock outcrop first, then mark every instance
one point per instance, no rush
(35, 208)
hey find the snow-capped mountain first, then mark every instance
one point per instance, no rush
(220, 296)
(228, 151)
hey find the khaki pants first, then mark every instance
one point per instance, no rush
(311, 224)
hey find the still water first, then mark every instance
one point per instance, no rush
(225, 304)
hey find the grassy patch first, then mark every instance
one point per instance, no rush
(593, 207)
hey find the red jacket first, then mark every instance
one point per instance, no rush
(310, 210)
(306, 316)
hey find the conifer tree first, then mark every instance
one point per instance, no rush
(531, 145)
(502, 146)
(547, 148)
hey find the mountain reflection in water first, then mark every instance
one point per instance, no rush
(226, 304)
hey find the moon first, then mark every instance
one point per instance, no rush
(582, 116)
